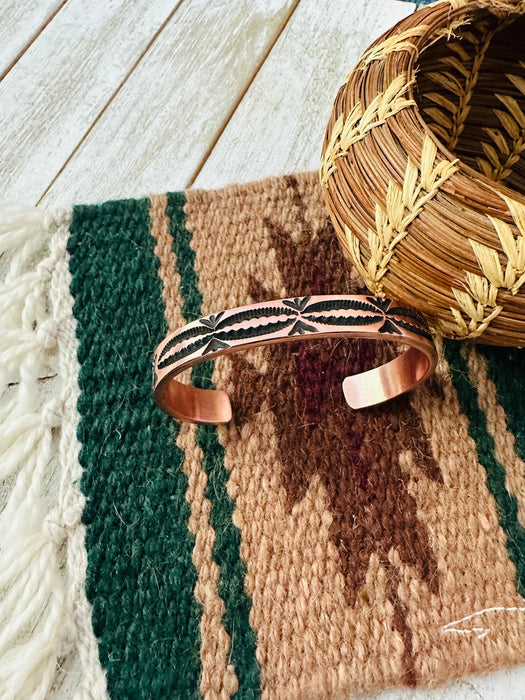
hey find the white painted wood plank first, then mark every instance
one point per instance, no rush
(166, 117)
(280, 124)
(60, 85)
(20, 21)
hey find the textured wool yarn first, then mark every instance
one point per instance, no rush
(423, 169)
(46, 636)
(304, 550)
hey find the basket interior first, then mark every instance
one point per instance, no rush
(470, 89)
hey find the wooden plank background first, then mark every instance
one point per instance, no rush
(122, 98)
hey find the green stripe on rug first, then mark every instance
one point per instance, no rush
(506, 503)
(227, 536)
(140, 577)
(506, 368)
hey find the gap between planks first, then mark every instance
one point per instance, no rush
(187, 84)
(114, 94)
(32, 40)
(226, 121)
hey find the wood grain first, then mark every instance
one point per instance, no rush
(280, 124)
(58, 88)
(21, 22)
(157, 130)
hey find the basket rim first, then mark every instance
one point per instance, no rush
(410, 68)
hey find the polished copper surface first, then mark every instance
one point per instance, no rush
(285, 320)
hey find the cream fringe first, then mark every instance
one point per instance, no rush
(47, 645)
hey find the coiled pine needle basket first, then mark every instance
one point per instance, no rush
(423, 167)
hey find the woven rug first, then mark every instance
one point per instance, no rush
(302, 551)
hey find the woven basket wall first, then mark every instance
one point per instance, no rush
(423, 168)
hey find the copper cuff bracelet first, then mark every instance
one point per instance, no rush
(287, 320)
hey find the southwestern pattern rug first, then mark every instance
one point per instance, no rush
(304, 550)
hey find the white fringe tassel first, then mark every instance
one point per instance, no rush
(47, 645)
